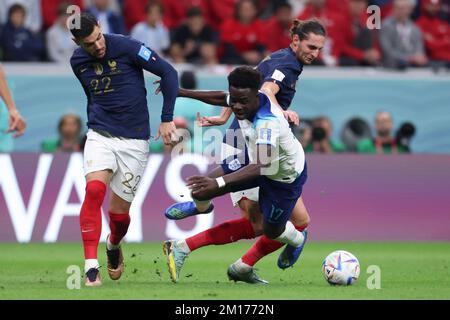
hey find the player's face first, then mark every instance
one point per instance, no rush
(383, 124)
(94, 44)
(308, 50)
(70, 127)
(244, 102)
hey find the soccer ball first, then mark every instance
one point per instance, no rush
(340, 268)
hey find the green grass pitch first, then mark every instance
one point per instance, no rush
(408, 271)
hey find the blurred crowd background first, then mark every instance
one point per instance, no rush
(412, 33)
(211, 33)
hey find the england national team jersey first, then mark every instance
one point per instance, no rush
(270, 127)
(283, 68)
(115, 87)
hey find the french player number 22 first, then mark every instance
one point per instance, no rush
(105, 81)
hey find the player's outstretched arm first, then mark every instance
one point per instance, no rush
(16, 123)
(215, 120)
(215, 98)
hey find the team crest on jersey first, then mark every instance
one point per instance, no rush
(112, 64)
(234, 165)
(114, 67)
(98, 68)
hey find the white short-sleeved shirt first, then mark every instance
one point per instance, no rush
(269, 126)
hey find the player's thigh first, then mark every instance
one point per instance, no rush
(300, 216)
(250, 210)
(103, 176)
(132, 157)
(99, 161)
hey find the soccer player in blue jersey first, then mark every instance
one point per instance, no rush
(110, 70)
(280, 74)
(276, 164)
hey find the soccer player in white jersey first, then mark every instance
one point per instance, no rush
(277, 166)
(280, 71)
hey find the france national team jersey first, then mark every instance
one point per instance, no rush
(115, 86)
(269, 126)
(283, 68)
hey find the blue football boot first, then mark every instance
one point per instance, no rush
(179, 211)
(291, 254)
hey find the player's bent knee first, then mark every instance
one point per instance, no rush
(95, 190)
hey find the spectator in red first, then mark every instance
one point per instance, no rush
(359, 47)
(278, 28)
(436, 31)
(220, 11)
(50, 10)
(134, 12)
(194, 41)
(175, 11)
(243, 37)
(327, 12)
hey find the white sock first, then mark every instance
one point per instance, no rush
(111, 246)
(202, 206)
(90, 263)
(182, 246)
(242, 267)
(291, 235)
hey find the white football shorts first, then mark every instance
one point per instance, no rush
(250, 194)
(126, 158)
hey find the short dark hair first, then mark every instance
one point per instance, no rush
(281, 5)
(87, 24)
(304, 28)
(62, 8)
(63, 119)
(16, 7)
(238, 5)
(154, 3)
(188, 80)
(194, 11)
(245, 77)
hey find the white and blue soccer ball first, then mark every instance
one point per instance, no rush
(341, 268)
